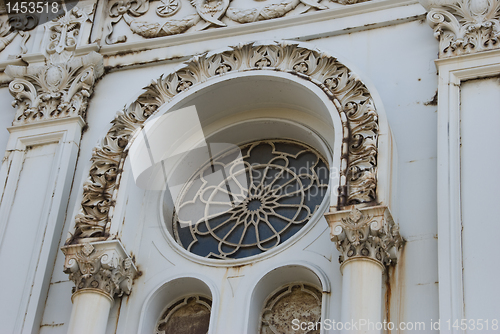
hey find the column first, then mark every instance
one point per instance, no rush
(368, 241)
(101, 271)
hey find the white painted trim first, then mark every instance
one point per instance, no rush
(452, 72)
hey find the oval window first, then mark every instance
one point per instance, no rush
(266, 192)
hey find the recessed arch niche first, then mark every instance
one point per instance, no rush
(168, 294)
(279, 277)
(361, 135)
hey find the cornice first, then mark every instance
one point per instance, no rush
(470, 58)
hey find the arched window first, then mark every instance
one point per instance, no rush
(290, 306)
(269, 191)
(187, 315)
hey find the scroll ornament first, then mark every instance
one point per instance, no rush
(45, 92)
(14, 26)
(62, 86)
(464, 26)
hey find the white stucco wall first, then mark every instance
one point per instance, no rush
(398, 62)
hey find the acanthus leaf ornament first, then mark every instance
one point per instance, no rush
(103, 266)
(464, 26)
(365, 233)
(349, 95)
(44, 92)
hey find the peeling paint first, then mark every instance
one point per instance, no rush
(52, 325)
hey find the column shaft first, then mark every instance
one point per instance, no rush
(361, 296)
(90, 312)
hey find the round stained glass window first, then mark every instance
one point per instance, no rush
(250, 199)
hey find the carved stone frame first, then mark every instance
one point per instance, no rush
(350, 96)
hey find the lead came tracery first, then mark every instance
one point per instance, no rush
(285, 183)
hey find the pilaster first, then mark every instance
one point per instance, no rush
(468, 33)
(51, 94)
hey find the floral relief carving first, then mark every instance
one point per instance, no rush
(209, 13)
(64, 33)
(99, 266)
(350, 96)
(464, 26)
(17, 25)
(370, 233)
(44, 92)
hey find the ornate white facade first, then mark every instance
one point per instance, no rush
(394, 99)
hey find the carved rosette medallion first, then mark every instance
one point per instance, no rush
(344, 88)
(464, 26)
(55, 90)
(100, 266)
(365, 233)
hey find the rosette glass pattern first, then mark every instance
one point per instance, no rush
(268, 193)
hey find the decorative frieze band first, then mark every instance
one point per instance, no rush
(464, 26)
(365, 233)
(54, 90)
(102, 265)
(172, 17)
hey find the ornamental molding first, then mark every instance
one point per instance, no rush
(365, 233)
(167, 19)
(63, 33)
(54, 90)
(103, 266)
(464, 26)
(348, 93)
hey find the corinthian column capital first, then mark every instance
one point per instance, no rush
(367, 233)
(101, 267)
(54, 90)
(464, 26)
